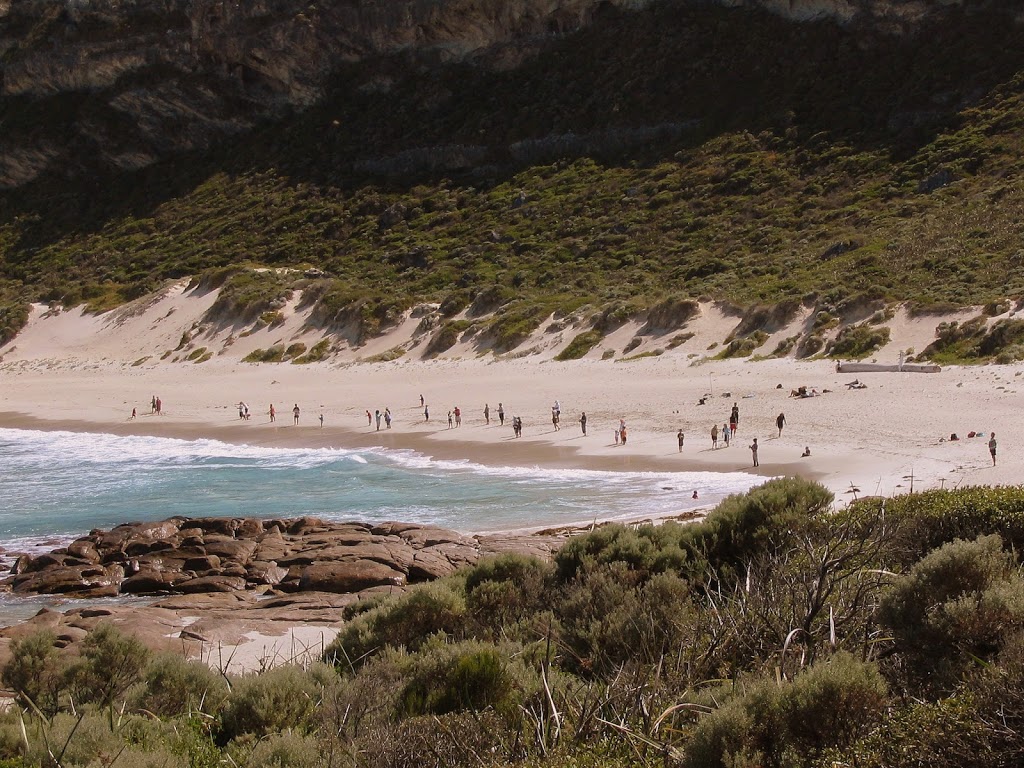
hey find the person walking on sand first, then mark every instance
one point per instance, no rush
(241, 410)
(714, 437)
(159, 407)
(369, 418)
(726, 434)
(753, 451)
(501, 415)
(273, 414)
(554, 419)
(617, 433)
(487, 414)
(583, 422)
(422, 403)
(295, 415)
(680, 437)
(734, 415)
(321, 421)
(992, 448)
(387, 418)
(780, 422)
(622, 434)
(152, 404)
(377, 415)
(134, 414)
(426, 413)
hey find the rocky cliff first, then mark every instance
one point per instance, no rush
(125, 83)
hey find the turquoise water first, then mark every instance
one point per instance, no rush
(56, 485)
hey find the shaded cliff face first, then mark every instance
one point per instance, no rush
(116, 84)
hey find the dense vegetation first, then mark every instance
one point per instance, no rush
(777, 632)
(675, 152)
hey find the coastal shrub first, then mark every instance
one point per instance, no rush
(504, 590)
(294, 350)
(280, 699)
(176, 686)
(857, 341)
(110, 662)
(290, 749)
(743, 347)
(446, 337)
(35, 671)
(513, 323)
(758, 521)
(580, 345)
(921, 522)
(273, 354)
(829, 705)
(249, 293)
(954, 606)
(452, 678)
(316, 354)
(974, 341)
(13, 317)
(644, 549)
(810, 344)
(404, 622)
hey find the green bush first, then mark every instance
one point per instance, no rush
(743, 347)
(110, 663)
(857, 341)
(175, 686)
(580, 345)
(504, 590)
(35, 671)
(954, 606)
(830, 705)
(456, 678)
(281, 699)
(406, 622)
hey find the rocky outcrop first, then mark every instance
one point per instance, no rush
(210, 555)
(131, 83)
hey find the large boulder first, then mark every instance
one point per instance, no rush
(350, 576)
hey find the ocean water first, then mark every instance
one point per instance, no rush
(55, 486)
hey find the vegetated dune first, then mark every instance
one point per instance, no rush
(177, 325)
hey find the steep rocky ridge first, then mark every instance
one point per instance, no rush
(130, 83)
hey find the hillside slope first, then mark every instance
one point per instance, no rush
(639, 160)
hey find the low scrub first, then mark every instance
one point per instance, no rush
(858, 341)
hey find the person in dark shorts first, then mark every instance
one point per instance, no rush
(680, 437)
(992, 448)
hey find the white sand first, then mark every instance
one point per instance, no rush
(84, 372)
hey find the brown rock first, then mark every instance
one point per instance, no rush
(59, 580)
(349, 576)
(238, 550)
(84, 549)
(265, 573)
(202, 564)
(151, 582)
(212, 584)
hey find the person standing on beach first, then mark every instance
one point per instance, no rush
(583, 423)
(726, 434)
(295, 415)
(369, 418)
(152, 404)
(159, 407)
(134, 414)
(622, 434)
(734, 416)
(426, 413)
(617, 433)
(501, 415)
(387, 418)
(458, 417)
(377, 416)
(992, 448)
(554, 419)
(422, 402)
(487, 414)
(321, 421)
(753, 451)
(714, 436)
(680, 437)
(273, 414)
(780, 422)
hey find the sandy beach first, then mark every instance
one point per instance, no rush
(72, 370)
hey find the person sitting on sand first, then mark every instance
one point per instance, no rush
(806, 453)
